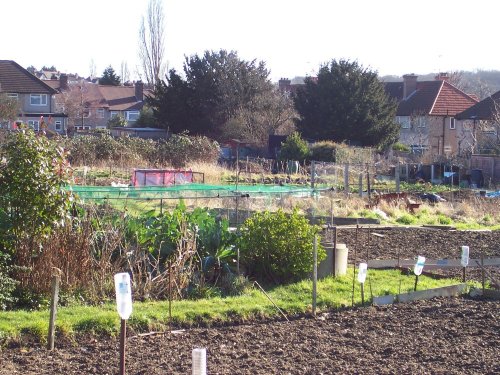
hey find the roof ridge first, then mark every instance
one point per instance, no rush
(31, 76)
(437, 96)
(461, 91)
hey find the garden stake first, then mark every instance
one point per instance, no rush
(463, 274)
(482, 272)
(315, 274)
(354, 264)
(416, 282)
(170, 295)
(269, 298)
(123, 334)
(334, 247)
(370, 285)
(362, 294)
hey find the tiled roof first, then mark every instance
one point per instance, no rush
(14, 78)
(120, 98)
(484, 110)
(437, 98)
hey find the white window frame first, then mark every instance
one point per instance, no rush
(129, 113)
(100, 113)
(41, 97)
(453, 124)
(113, 114)
(35, 124)
(404, 121)
(13, 95)
(58, 125)
(420, 122)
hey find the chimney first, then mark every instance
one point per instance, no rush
(284, 85)
(409, 85)
(442, 77)
(139, 91)
(63, 82)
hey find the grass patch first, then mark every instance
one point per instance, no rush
(293, 299)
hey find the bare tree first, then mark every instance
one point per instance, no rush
(92, 69)
(124, 72)
(151, 42)
(9, 108)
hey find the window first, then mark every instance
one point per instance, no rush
(114, 114)
(38, 99)
(452, 123)
(12, 95)
(34, 124)
(58, 125)
(82, 128)
(419, 122)
(87, 113)
(100, 113)
(132, 115)
(404, 121)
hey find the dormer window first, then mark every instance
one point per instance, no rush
(38, 99)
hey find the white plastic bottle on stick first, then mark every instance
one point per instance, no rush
(123, 295)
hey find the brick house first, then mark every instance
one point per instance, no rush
(90, 106)
(37, 107)
(427, 113)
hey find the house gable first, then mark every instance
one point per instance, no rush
(14, 78)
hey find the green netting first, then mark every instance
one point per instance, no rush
(185, 191)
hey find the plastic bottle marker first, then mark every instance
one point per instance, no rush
(123, 295)
(419, 266)
(363, 269)
(465, 256)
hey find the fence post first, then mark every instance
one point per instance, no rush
(396, 173)
(53, 312)
(313, 174)
(346, 179)
(361, 185)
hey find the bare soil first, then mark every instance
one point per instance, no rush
(440, 336)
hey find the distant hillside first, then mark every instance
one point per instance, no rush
(481, 83)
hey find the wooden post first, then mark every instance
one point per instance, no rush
(334, 248)
(53, 312)
(362, 294)
(313, 174)
(368, 182)
(315, 274)
(483, 280)
(360, 185)
(170, 294)
(123, 334)
(354, 263)
(396, 176)
(416, 282)
(346, 179)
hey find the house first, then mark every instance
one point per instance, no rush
(483, 122)
(37, 107)
(90, 105)
(427, 113)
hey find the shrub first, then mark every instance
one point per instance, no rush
(278, 247)
(406, 219)
(400, 147)
(324, 151)
(294, 148)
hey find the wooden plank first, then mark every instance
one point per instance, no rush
(432, 263)
(491, 293)
(447, 291)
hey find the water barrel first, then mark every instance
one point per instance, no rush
(341, 253)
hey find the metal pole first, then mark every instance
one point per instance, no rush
(396, 176)
(360, 185)
(354, 264)
(123, 334)
(362, 294)
(416, 282)
(315, 274)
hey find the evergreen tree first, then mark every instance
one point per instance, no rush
(109, 77)
(346, 103)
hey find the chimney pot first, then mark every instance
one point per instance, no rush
(139, 91)
(63, 82)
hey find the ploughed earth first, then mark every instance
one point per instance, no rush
(441, 336)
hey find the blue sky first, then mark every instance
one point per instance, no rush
(293, 37)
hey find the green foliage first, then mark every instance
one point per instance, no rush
(324, 151)
(109, 77)
(294, 148)
(117, 121)
(216, 87)
(7, 283)
(400, 147)
(444, 220)
(277, 246)
(406, 219)
(146, 118)
(346, 103)
(31, 185)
